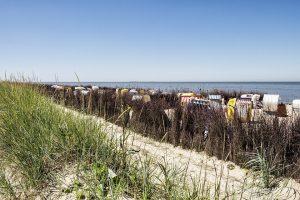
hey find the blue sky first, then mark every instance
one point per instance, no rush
(151, 40)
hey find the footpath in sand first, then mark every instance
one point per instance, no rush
(233, 181)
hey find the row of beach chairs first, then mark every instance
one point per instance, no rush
(248, 107)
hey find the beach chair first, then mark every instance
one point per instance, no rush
(142, 91)
(188, 94)
(255, 101)
(124, 91)
(186, 98)
(133, 91)
(296, 106)
(200, 102)
(231, 108)
(153, 92)
(137, 97)
(247, 96)
(146, 98)
(215, 101)
(244, 109)
(79, 88)
(270, 103)
(85, 92)
(57, 87)
(94, 87)
(254, 98)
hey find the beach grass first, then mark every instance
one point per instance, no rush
(38, 139)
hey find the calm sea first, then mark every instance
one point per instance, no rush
(288, 91)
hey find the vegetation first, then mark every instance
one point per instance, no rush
(195, 127)
(38, 139)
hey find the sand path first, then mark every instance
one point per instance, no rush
(234, 182)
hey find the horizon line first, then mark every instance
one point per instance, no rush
(172, 81)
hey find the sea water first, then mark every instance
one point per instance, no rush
(288, 91)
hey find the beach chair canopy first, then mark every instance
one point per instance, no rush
(79, 88)
(133, 91)
(142, 91)
(215, 97)
(186, 100)
(190, 94)
(58, 87)
(137, 97)
(230, 108)
(200, 102)
(94, 87)
(231, 102)
(252, 97)
(255, 97)
(189, 99)
(152, 92)
(85, 92)
(296, 105)
(146, 98)
(270, 102)
(247, 96)
(124, 91)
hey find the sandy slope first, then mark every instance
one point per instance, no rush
(234, 182)
(199, 165)
(232, 178)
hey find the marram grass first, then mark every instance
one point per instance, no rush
(38, 139)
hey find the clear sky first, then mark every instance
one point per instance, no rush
(151, 40)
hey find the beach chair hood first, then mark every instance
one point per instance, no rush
(296, 105)
(270, 102)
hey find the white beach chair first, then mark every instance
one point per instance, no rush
(152, 92)
(253, 97)
(85, 92)
(57, 87)
(94, 87)
(215, 101)
(133, 91)
(270, 102)
(137, 97)
(296, 106)
(247, 96)
(79, 88)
